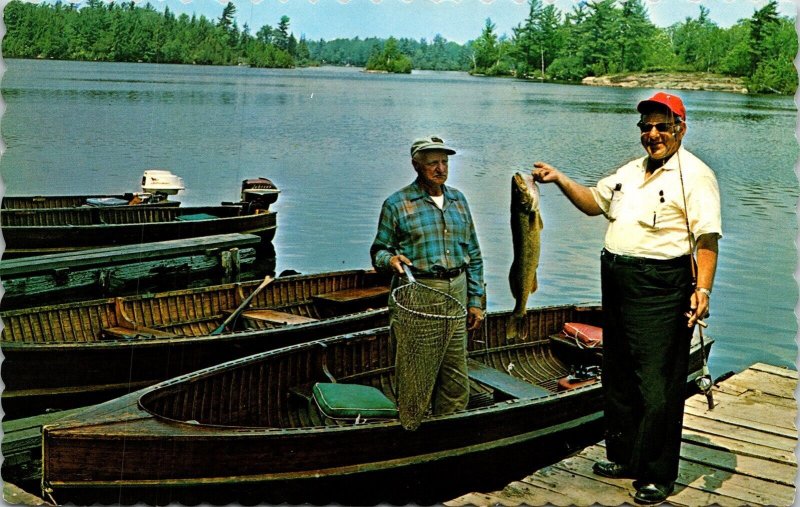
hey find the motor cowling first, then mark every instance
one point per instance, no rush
(258, 194)
(159, 181)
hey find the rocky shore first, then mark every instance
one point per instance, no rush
(672, 81)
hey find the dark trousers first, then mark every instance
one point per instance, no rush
(645, 361)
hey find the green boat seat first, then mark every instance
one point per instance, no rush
(352, 401)
(195, 216)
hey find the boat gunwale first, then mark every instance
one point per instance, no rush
(267, 216)
(196, 430)
(346, 470)
(183, 339)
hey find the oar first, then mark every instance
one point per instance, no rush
(242, 307)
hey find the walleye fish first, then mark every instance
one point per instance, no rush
(526, 224)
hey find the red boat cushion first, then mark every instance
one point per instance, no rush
(586, 334)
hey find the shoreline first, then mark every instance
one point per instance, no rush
(676, 81)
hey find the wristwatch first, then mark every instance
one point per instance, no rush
(705, 291)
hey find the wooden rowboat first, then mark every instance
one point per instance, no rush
(251, 424)
(76, 201)
(43, 231)
(74, 354)
(157, 186)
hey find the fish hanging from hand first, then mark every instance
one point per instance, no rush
(526, 225)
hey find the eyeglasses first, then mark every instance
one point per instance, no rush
(661, 127)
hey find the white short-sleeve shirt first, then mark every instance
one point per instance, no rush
(647, 219)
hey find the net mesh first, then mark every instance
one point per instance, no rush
(423, 321)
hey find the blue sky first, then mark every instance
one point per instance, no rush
(455, 20)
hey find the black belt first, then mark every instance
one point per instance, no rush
(442, 274)
(644, 261)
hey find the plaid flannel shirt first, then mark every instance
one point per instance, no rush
(433, 239)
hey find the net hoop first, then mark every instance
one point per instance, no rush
(401, 294)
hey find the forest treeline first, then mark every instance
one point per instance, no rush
(595, 38)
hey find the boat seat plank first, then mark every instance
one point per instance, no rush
(125, 333)
(503, 382)
(346, 296)
(276, 317)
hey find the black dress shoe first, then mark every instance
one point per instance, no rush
(611, 470)
(652, 492)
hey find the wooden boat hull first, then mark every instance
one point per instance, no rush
(75, 354)
(72, 201)
(43, 231)
(126, 269)
(251, 417)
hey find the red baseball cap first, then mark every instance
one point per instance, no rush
(673, 103)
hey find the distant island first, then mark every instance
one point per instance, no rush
(603, 42)
(672, 81)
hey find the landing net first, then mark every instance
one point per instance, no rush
(423, 321)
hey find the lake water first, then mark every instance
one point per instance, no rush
(336, 140)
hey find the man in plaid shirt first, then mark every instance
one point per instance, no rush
(428, 226)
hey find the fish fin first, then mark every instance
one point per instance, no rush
(511, 329)
(535, 284)
(516, 330)
(513, 326)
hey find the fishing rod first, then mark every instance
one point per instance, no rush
(704, 382)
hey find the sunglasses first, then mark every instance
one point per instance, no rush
(661, 127)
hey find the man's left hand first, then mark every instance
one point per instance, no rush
(698, 304)
(474, 318)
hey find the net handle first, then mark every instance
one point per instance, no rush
(408, 273)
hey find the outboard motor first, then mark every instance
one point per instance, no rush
(161, 183)
(258, 194)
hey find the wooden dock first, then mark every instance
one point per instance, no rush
(121, 269)
(740, 453)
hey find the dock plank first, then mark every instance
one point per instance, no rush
(715, 427)
(745, 394)
(774, 385)
(728, 461)
(483, 499)
(740, 447)
(685, 493)
(522, 492)
(775, 370)
(15, 495)
(740, 453)
(746, 489)
(742, 407)
(733, 419)
(137, 252)
(582, 487)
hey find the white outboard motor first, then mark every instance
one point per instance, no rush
(159, 181)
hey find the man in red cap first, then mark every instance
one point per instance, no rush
(662, 210)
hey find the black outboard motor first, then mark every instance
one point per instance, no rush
(258, 194)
